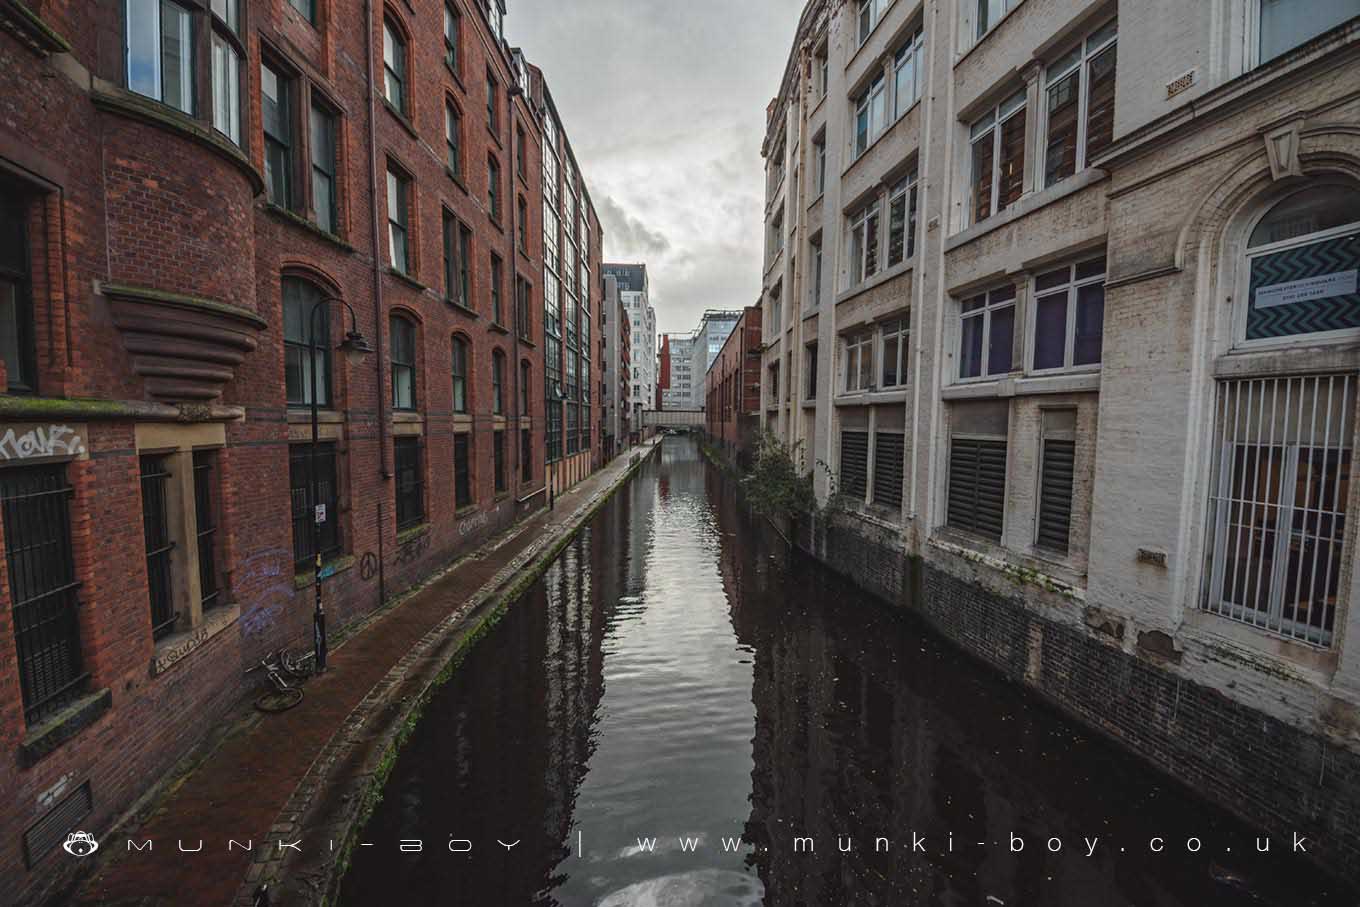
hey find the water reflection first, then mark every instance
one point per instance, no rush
(680, 707)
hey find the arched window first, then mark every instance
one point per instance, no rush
(1303, 257)
(498, 382)
(460, 375)
(403, 363)
(306, 355)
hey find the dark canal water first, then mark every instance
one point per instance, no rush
(679, 699)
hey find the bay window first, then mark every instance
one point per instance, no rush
(160, 52)
(998, 157)
(1069, 316)
(987, 333)
(864, 244)
(226, 87)
(1079, 105)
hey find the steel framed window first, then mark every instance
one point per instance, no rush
(864, 243)
(907, 68)
(1278, 26)
(1278, 503)
(1079, 104)
(989, 12)
(42, 586)
(870, 113)
(997, 143)
(155, 476)
(300, 358)
(304, 508)
(987, 333)
(1069, 317)
(410, 484)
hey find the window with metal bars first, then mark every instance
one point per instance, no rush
(1277, 503)
(977, 486)
(159, 546)
(889, 448)
(462, 470)
(410, 483)
(854, 464)
(304, 509)
(42, 586)
(498, 453)
(1055, 494)
(205, 511)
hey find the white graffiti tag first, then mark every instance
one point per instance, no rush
(53, 441)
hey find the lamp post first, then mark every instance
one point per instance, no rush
(355, 348)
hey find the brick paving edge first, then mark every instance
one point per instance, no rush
(319, 884)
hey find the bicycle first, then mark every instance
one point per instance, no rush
(283, 696)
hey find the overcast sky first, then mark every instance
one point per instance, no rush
(664, 102)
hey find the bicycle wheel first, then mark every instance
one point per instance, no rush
(298, 667)
(278, 700)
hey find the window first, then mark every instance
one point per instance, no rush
(864, 244)
(893, 352)
(156, 531)
(987, 333)
(300, 465)
(522, 321)
(42, 586)
(1278, 510)
(493, 113)
(889, 451)
(902, 221)
(773, 370)
(908, 65)
(819, 163)
(977, 485)
(205, 513)
(998, 151)
(228, 13)
(457, 262)
(526, 455)
(498, 460)
(276, 110)
(306, 7)
(1057, 457)
(1069, 316)
(1301, 263)
(493, 188)
(1285, 24)
(16, 292)
(496, 278)
(323, 168)
(394, 67)
(459, 370)
(160, 52)
(403, 363)
(522, 223)
(304, 361)
(226, 87)
(870, 111)
(868, 16)
(398, 216)
(823, 73)
(453, 139)
(854, 464)
(498, 383)
(989, 12)
(816, 289)
(410, 481)
(810, 372)
(453, 32)
(1080, 105)
(859, 362)
(462, 470)
(521, 152)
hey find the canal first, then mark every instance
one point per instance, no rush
(681, 712)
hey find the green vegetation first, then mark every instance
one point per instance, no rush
(777, 486)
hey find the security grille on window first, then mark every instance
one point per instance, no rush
(304, 508)
(1303, 258)
(205, 512)
(410, 484)
(987, 333)
(462, 470)
(1080, 104)
(889, 456)
(864, 244)
(859, 362)
(902, 221)
(156, 526)
(1057, 458)
(998, 152)
(893, 352)
(854, 464)
(403, 355)
(1069, 316)
(160, 52)
(1278, 503)
(977, 485)
(42, 586)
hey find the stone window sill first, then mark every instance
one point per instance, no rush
(406, 279)
(47, 737)
(401, 118)
(413, 532)
(297, 220)
(175, 648)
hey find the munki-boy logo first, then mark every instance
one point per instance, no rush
(80, 844)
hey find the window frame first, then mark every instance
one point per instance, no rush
(413, 493)
(875, 92)
(906, 191)
(460, 357)
(20, 281)
(985, 312)
(397, 69)
(854, 346)
(997, 117)
(282, 170)
(398, 191)
(407, 367)
(190, 64)
(453, 38)
(1072, 288)
(453, 138)
(902, 333)
(910, 53)
(331, 119)
(497, 382)
(224, 40)
(325, 381)
(1085, 55)
(859, 272)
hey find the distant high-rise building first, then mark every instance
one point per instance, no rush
(633, 292)
(677, 373)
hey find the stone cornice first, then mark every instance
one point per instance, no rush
(27, 26)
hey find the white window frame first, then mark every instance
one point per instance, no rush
(1005, 6)
(854, 347)
(991, 123)
(188, 76)
(226, 87)
(875, 9)
(819, 162)
(903, 334)
(1252, 36)
(859, 245)
(1071, 288)
(909, 54)
(906, 191)
(817, 263)
(1081, 54)
(985, 313)
(876, 93)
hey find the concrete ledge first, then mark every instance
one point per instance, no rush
(61, 727)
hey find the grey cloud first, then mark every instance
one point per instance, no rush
(628, 235)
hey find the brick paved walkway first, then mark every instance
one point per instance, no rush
(242, 788)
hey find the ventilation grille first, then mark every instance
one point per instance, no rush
(888, 449)
(977, 486)
(854, 463)
(1055, 495)
(51, 830)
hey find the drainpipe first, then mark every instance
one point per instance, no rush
(384, 467)
(512, 92)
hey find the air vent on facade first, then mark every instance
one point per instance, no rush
(888, 458)
(1179, 84)
(1055, 495)
(854, 463)
(977, 486)
(51, 830)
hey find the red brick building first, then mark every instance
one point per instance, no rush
(183, 186)
(663, 370)
(732, 387)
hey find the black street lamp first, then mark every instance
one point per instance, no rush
(355, 348)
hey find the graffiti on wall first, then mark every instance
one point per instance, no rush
(52, 441)
(477, 521)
